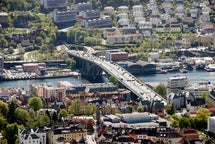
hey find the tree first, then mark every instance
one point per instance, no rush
(10, 50)
(113, 80)
(161, 90)
(11, 113)
(70, 63)
(170, 109)
(75, 107)
(21, 116)
(35, 103)
(11, 132)
(200, 120)
(62, 113)
(3, 122)
(3, 108)
(184, 122)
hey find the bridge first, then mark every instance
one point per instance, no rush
(93, 67)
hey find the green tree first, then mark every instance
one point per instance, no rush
(62, 113)
(3, 108)
(184, 122)
(35, 103)
(200, 119)
(75, 107)
(22, 116)
(11, 132)
(10, 50)
(161, 90)
(11, 112)
(170, 109)
(113, 80)
(3, 122)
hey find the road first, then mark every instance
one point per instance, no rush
(123, 76)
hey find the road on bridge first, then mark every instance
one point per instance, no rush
(137, 86)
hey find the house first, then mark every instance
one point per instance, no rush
(32, 136)
(155, 20)
(179, 11)
(194, 12)
(207, 27)
(109, 10)
(137, 11)
(175, 27)
(122, 9)
(188, 25)
(25, 42)
(145, 28)
(160, 28)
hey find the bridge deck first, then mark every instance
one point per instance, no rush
(123, 76)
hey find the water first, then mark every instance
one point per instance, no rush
(25, 83)
(193, 76)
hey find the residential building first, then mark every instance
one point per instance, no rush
(197, 90)
(211, 99)
(97, 23)
(122, 9)
(32, 136)
(111, 55)
(4, 19)
(179, 11)
(176, 84)
(66, 134)
(109, 10)
(1, 66)
(155, 20)
(211, 124)
(145, 28)
(207, 28)
(53, 4)
(193, 104)
(175, 27)
(63, 16)
(129, 38)
(194, 12)
(160, 28)
(137, 10)
(89, 14)
(83, 7)
(178, 100)
(43, 112)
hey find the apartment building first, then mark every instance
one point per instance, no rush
(52, 4)
(63, 16)
(97, 23)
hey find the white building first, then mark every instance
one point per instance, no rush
(197, 90)
(211, 124)
(63, 16)
(123, 9)
(83, 7)
(51, 4)
(178, 100)
(137, 11)
(109, 10)
(89, 14)
(32, 136)
(98, 23)
(177, 83)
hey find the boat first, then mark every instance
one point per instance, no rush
(183, 70)
(210, 68)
